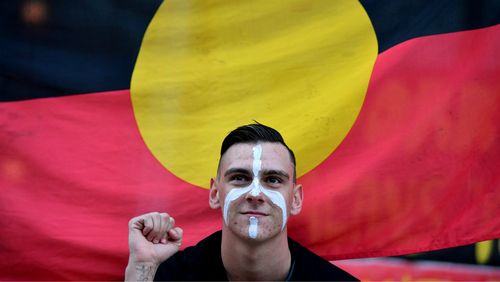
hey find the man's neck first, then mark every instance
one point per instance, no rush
(247, 260)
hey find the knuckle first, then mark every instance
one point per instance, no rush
(131, 222)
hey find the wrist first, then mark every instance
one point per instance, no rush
(140, 271)
(132, 261)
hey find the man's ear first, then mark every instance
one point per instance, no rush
(213, 198)
(298, 197)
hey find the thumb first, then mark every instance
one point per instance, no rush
(174, 235)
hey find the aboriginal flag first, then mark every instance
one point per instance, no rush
(110, 109)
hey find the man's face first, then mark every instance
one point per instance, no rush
(255, 190)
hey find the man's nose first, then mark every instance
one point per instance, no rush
(255, 194)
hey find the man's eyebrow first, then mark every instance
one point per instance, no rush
(236, 170)
(276, 172)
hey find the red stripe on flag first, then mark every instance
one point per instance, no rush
(419, 169)
(73, 171)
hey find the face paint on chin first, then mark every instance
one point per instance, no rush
(255, 188)
(253, 228)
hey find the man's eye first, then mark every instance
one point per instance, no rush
(274, 180)
(240, 178)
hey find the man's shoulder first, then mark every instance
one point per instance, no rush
(309, 266)
(199, 262)
(203, 262)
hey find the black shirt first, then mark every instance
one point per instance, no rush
(204, 262)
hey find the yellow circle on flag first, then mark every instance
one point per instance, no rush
(207, 67)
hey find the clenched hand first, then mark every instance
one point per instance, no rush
(153, 238)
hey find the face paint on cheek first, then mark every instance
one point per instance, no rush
(232, 196)
(253, 228)
(279, 201)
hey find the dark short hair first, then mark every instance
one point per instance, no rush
(254, 133)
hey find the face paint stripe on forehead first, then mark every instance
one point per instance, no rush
(255, 189)
(257, 163)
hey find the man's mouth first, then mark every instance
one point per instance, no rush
(254, 213)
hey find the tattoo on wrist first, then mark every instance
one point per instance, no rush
(145, 272)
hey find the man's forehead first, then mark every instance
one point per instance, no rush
(243, 152)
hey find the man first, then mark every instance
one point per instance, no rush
(256, 190)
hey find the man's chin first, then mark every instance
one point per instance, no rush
(262, 233)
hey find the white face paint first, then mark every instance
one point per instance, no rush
(255, 189)
(252, 230)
